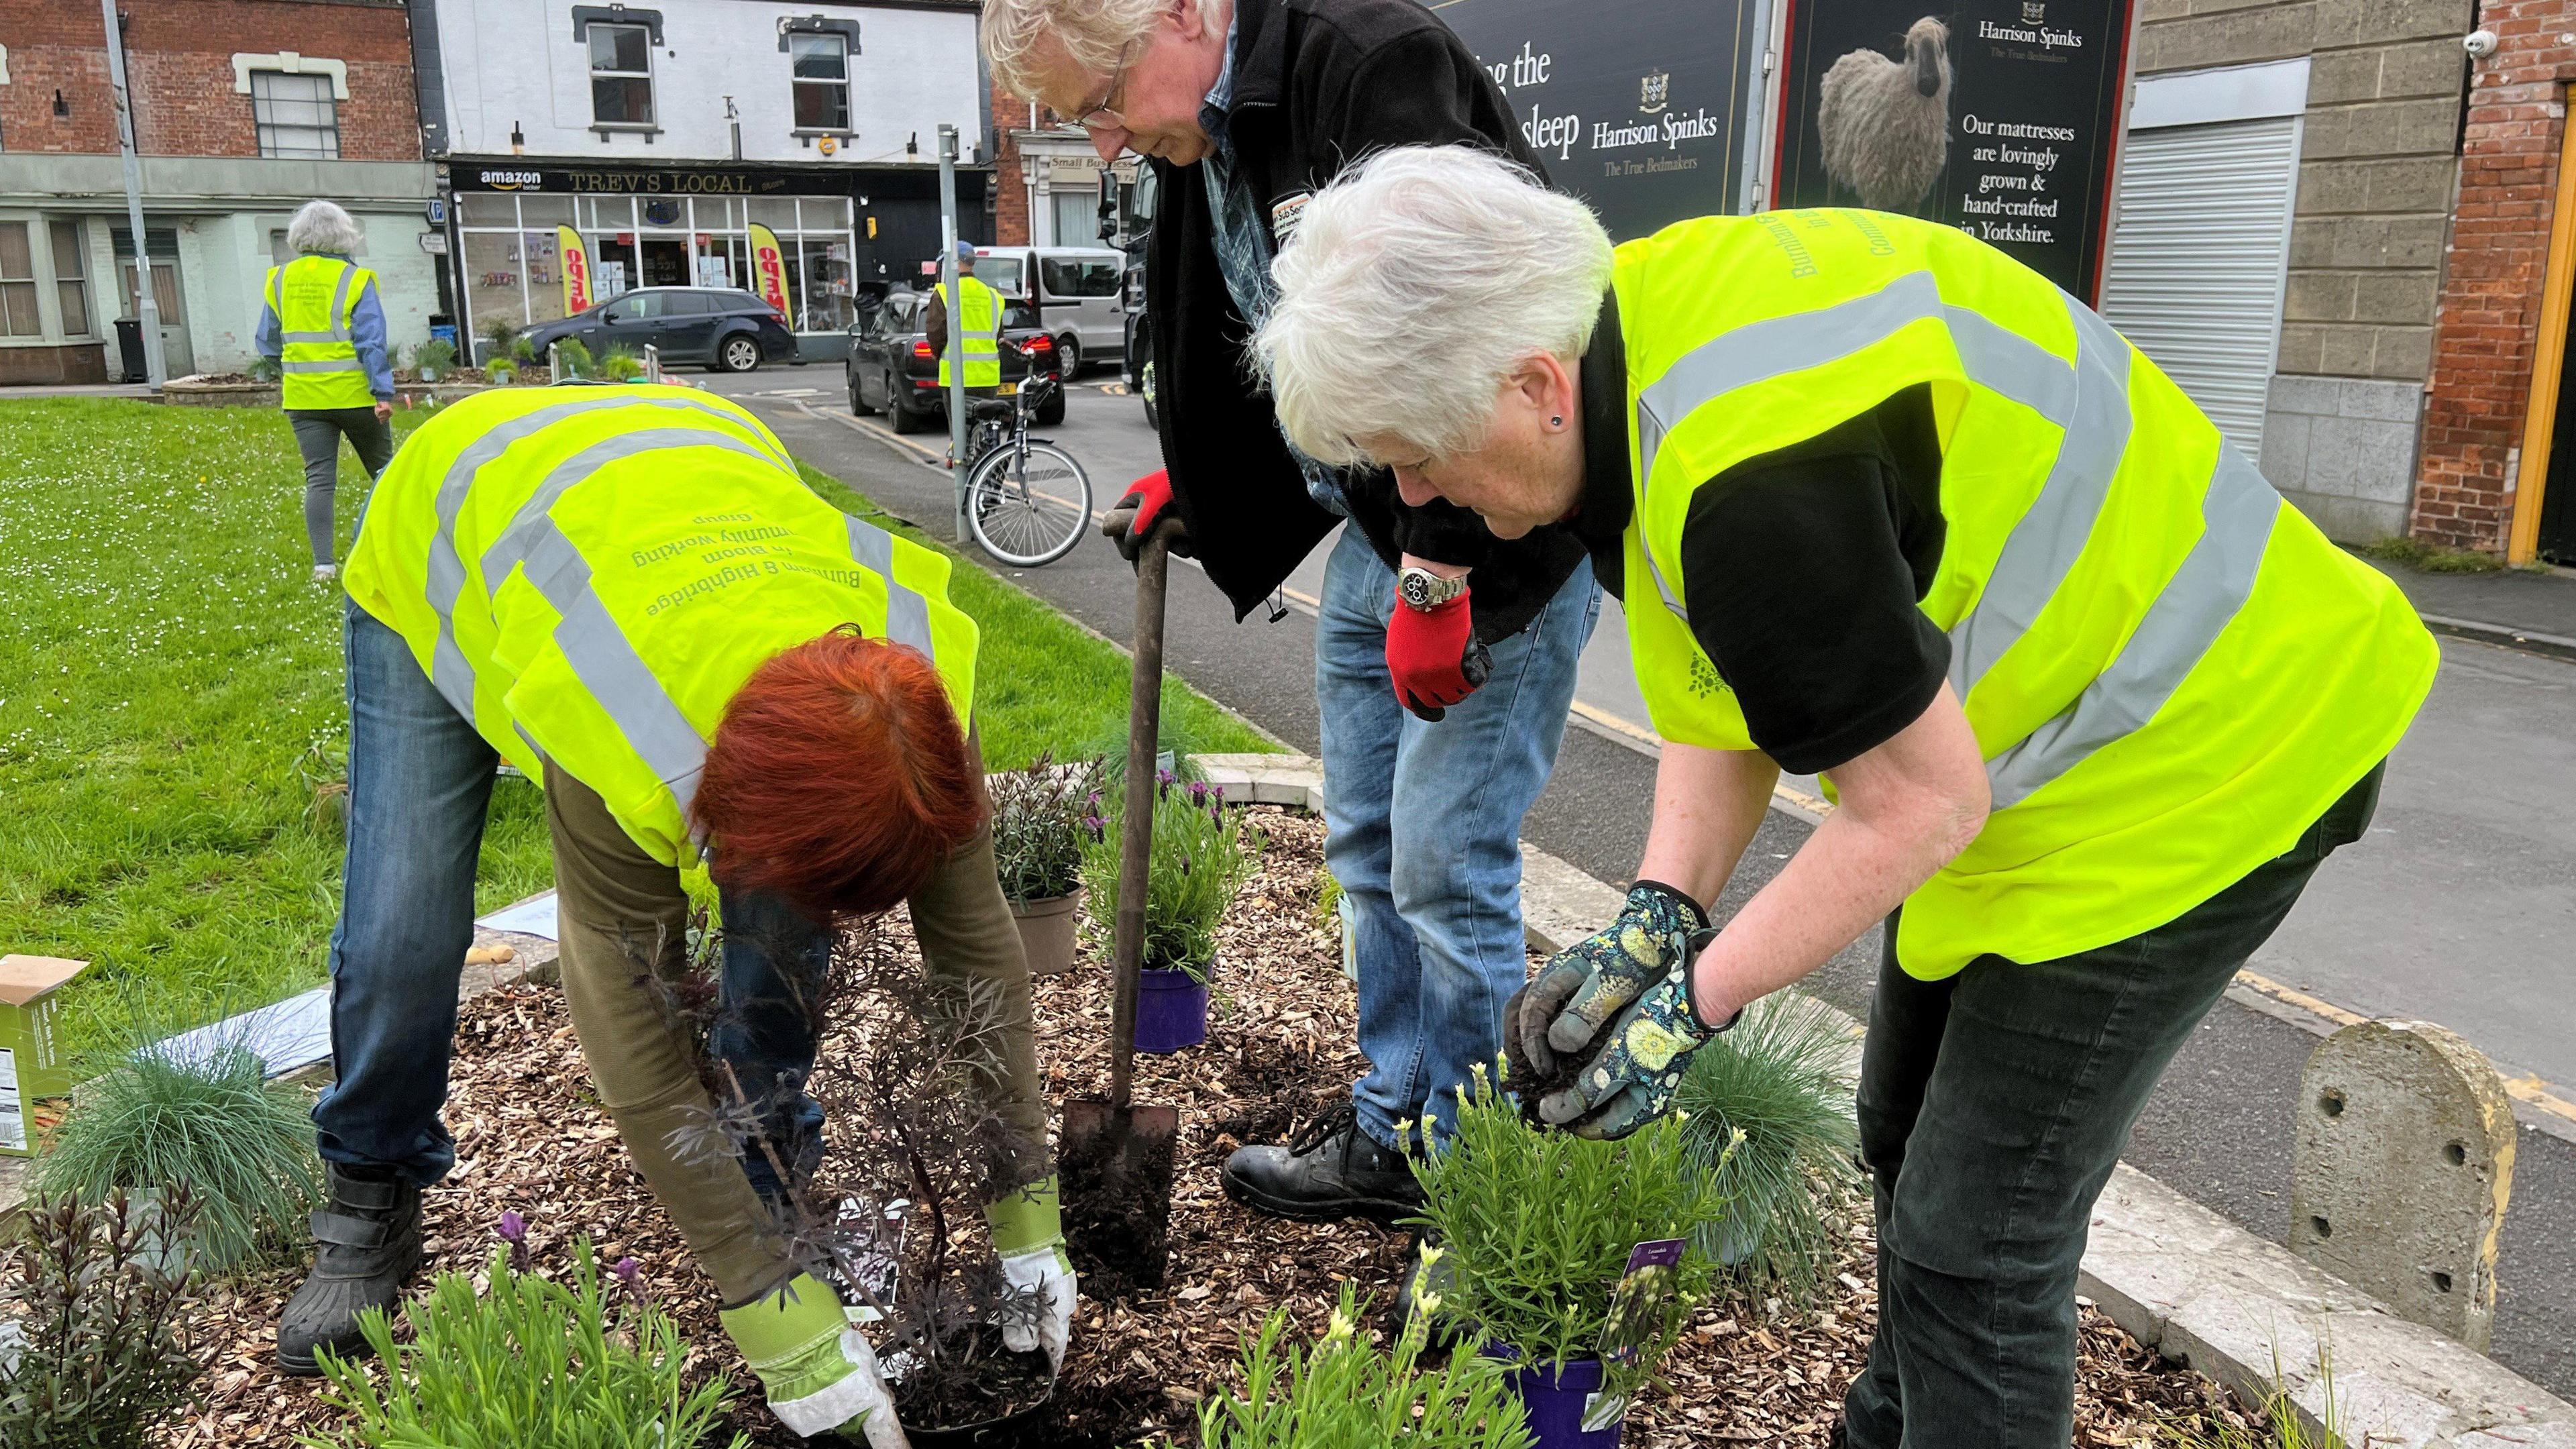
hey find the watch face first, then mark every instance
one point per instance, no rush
(1417, 589)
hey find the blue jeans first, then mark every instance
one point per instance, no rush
(1422, 829)
(420, 779)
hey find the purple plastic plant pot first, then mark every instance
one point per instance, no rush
(1171, 1011)
(1557, 1399)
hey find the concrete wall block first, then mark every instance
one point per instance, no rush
(2410, 241)
(2430, 68)
(2402, 1170)
(2321, 396)
(2368, 22)
(2153, 12)
(2329, 136)
(2402, 352)
(2234, 38)
(2348, 520)
(2361, 458)
(2285, 448)
(2415, 184)
(2329, 187)
(2320, 297)
(2347, 351)
(2414, 127)
(2317, 241)
(2388, 402)
(2302, 347)
(2402, 297)
(2337, 77)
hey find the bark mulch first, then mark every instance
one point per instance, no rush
(531, 1137)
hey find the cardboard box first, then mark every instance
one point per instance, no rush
(30, 1065)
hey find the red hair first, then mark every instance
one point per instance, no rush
(838, 778)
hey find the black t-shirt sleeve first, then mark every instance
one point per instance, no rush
(1803, 586)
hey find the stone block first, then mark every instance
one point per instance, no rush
(2394, 296)
(2332, 187)
(2319, 297)
(1292, 780)
(2424, 127)
(2415, 184)
(2336, 77)
(2366, 22)
(2389, 402)
(2346, 351)
(2359, 458)
(2285, 448)
(2233, 38)
(2315, 241)
(2321, 396)
(2348, 520)
(2402, 353)
(2302, 347)
(2403, 1167)
(2429, 68)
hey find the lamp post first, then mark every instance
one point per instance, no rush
(146, 305)
(956, 322)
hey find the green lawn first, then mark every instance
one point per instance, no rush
(171, 716)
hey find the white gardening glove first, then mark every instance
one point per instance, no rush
(1028, 1234)
(817, 1372)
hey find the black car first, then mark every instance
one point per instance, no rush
(891, 369)
(727, 329)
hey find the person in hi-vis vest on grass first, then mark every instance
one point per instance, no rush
(981, 322)
(630, 594)
(1884, 505)
(322, 321)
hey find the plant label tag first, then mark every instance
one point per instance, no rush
(1602, 1411)
(13, 1119)
(1637, 1304)
(877, 1267)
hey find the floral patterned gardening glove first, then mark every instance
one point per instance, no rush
(1553, 1023)
(1631, 1080)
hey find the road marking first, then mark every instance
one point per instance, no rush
(2542, 1103)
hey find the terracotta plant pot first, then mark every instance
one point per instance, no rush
(1171, 1011)
(1048, 932)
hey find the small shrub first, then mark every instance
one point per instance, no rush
(2274, 1424)
(1344, 1393)
(434, 359)
(500, 373)
(523, 350)
(533, 1364)
(1043, 816)
(265, 369)
(572, 359)
(212, 1124)
(1768, 1111)
(97, 1289)
(1536, 1226)
(620, 364)
(1201, 854)
(503, 335)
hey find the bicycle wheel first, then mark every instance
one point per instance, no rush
(1028, 505)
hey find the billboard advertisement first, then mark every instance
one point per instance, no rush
(1644, 108)
(1999, 117)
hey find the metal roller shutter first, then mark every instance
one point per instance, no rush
(2199, 257)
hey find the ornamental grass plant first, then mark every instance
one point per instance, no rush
(1344, 1392)
(620, 364)
(1768, 1112)
(1044, 817)
(1533, 1227)
(208, 1121)
(533, 1364)
(1201, 854)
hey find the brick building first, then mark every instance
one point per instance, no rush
(244, 110)
(2499, 461)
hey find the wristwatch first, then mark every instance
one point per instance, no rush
(1423, 591)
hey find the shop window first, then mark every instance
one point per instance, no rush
(71, 277)
(822, 69)
(295, 115)
(621, 75)
(17, 283)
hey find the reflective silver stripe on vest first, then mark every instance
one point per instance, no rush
(340, 303)
(2196, 606)
(624, 686)
(2042, 548)
(907, 612)
(310, 337)
(322, 364)
(448, 669)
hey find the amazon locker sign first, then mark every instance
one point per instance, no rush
(1999, 117)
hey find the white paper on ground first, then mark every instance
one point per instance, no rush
(534, 916)
(287, 1034)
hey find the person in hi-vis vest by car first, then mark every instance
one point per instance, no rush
(630, 594)
(1884, 505)
(322, 321)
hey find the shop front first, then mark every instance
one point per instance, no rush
(677, 226)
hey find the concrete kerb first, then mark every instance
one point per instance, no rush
(2173, 1274)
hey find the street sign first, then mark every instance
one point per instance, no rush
(1643, 108)
(1998, 117)
(437, 210)
(434, 243)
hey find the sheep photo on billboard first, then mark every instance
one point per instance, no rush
(1886, 123)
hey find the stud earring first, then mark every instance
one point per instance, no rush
(1556, 422)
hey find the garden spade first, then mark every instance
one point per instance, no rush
(1117, 1156)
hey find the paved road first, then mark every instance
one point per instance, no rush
(2460, 908)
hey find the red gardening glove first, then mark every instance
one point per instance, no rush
(1147, 502)
(1434, 656)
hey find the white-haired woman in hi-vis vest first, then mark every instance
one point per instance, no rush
(322, 322)
(1886, 506)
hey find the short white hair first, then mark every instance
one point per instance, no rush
(1412, 287)
(1096, 34)
(323, 226)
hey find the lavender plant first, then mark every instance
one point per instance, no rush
(96, 1289)
(1346, 1393)
(1043, 819)
(1201, 855)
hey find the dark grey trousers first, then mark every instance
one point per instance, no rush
(317, 436)
(1992, 1107)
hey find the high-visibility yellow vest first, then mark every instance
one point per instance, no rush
(2170, 672)
(982, 321)
(315, 299)
(589, 575)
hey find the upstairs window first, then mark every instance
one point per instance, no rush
(621, 75)
(295, 115)
(822, 66)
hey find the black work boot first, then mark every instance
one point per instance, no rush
(1329, 1171)
(366, 1243)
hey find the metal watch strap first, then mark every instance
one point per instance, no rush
(1435, 589)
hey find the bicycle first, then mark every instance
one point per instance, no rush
(1027, 500)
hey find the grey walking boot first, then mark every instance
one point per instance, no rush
(366, 1244)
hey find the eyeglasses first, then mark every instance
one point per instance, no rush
(1105, 117)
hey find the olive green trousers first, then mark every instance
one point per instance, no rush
(622, 917)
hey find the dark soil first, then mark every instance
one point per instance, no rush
(984, 1395)
(1115, 1169)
